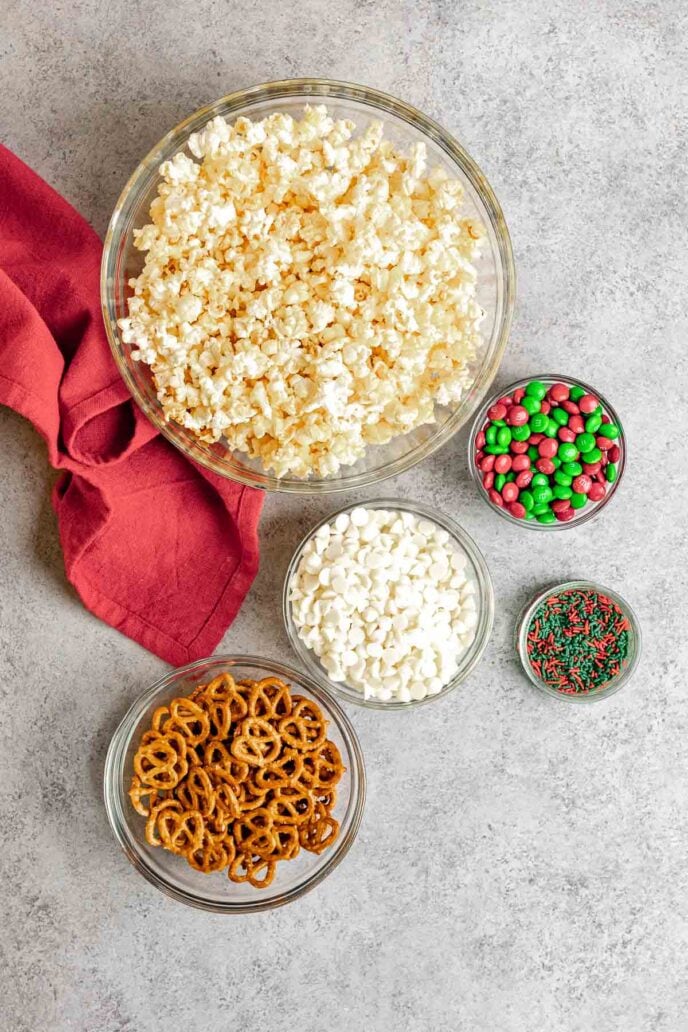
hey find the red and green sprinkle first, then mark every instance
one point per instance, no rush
(578, 641)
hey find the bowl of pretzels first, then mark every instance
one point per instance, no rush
(235, 784)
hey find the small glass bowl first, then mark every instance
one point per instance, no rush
(171, 874)
(612, 686)
(582, 515)
(484, 594)
(404, 126)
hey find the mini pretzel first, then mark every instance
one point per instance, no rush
(257, 743)
(239, 775)
(161, 761)
(304, 729)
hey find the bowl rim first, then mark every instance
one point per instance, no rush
(613, 686)
(504, 259)
(586, 514)
(484, 586)
(114, 796)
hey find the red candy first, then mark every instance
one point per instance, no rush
(507, 401)
(592, 468)
(614, 454)
(545, 408)
(487, 463)
(597, 492)
(564, 515)
(502, 464)
(496, 498)
(606, 418)
(520, 462)
(536, 438)
(545, 466)
(604, 444)
(480, 440)
(519, 395)
(548, 448)
(517, 416)
(510, 492)
(517, 510)
(588, 403)
(497, 411)
(576, 424)
(488, 480)
(570, 407)
(564, 434)
(558, 392)
(524, 478)
(560, 504)
(519, 447)
(581, 484)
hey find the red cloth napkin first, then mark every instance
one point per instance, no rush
(156, 546)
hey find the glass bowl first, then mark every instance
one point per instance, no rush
(612, 686)
(582, 515)
(404, 125)
(171, 874)
(484, 594)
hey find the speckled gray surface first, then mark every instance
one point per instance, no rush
(522, 865)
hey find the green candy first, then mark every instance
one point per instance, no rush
(584, 443)
(552, 428)
(567, 452)
(611, 473)
(594, 455)
(575, 393)
(510, 477)
(532, 453)
(499, 422)
(593, 423)
(528, 515)
(560, 416)
(609, 430)
(538, 423)
(542, 494)
(578, 500)
(526, 499)
(562, 492)
(546, 517)
(520, 433)
(531, 405)
(499, 481)
(504, 436)
(538, 510)
(540, 480)
(556, 461)
(536, 389)
(491, 434)
(572, 469)
(495, 449)
(563, 479)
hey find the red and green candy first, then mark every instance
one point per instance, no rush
(546, 452)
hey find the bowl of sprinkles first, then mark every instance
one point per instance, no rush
(578, 641)
(547, 452)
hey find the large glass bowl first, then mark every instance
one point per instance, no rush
(171, 874)
(484, 594)
(404, 126)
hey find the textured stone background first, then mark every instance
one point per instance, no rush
(522, 865)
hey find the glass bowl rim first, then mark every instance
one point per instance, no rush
(586, 514)
(614, 685)
(376, 99)
(484, 587)
(114, 796)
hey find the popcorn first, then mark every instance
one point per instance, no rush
(305, 292)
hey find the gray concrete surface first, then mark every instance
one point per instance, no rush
(522, 866)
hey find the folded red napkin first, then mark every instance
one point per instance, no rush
(156, 546)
